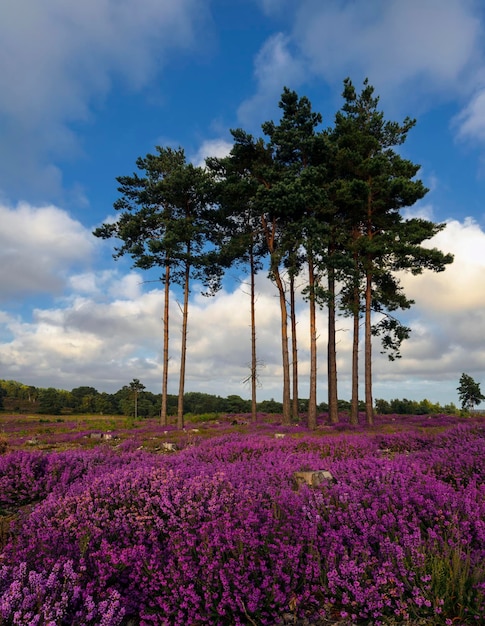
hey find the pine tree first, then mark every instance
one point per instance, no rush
(136, 387)
(239, 237)
(299, 156)
(375, 184)
(469, 392)
(254, 160)
(165, 222)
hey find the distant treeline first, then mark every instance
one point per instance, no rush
(18, 397)
(413, 407)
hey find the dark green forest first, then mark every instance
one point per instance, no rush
(15, 397)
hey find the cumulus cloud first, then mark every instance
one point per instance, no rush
(275, 67)
(391, 42)
(108, 330)
(447, 320)
(470, 122)
(458, 288)
(105, 328)
(84, 340)
(211, 148)
(37, 247)
(60, 59)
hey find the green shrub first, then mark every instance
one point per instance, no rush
(202, 417)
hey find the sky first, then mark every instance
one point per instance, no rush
(88, 87)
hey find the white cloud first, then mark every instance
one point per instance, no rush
(419, 210)
(37, 247)
(211, 148)
(275, 68)
(470, 123)
(458, 288)
(447, 321)
(59, 59)
(271, 7)
(107, 329)
(88, 283)
(391, 42)
(102, 343)
(74, 50)
(417, 52)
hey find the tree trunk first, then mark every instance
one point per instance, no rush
(354, 404)
(369, 409)
(163, 410)
(312, 404)
(254, 362)
(284, 347)
(185, 315)
(270, 233)
(294, 349)
(332, 352)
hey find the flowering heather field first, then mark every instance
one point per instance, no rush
(119, 530)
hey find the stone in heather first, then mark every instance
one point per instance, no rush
(313, 478)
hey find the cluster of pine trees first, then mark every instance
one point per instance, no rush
(323, 205)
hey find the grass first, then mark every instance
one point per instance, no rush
(52, 432)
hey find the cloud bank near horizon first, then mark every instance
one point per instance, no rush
(103, 327)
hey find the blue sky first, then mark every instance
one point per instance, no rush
(86, 88)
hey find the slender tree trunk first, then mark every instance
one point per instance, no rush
(369, 409)
(136, 405)
(284, 347)
(312, 404)
(254, 362)
(354, 404)
(185, 315)
(294, 348)
(332, 351)
(269, 231)
(163, 411)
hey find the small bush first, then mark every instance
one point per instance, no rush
(200, 418)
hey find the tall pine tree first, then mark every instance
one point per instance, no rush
(300, 159)
(376, 183)
(165, 222)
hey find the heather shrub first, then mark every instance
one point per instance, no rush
(458, 465)
(191, 550)
(55, 598)
(404, 441)
(383, 527)
(22, 477)
(27, 477)
(218, 534)
(455, 582)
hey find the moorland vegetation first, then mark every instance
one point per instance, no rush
(115, 522)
